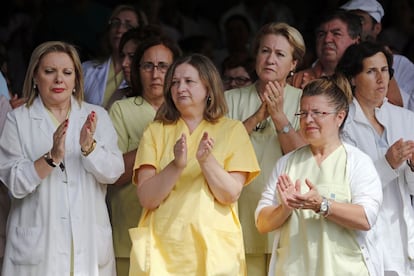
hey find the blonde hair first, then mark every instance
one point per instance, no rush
(292, 35)
(30, 91)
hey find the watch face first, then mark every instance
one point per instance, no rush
(286, 129)
(324, 205)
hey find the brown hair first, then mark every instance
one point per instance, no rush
(216, 106)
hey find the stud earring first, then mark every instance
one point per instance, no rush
(74, 90)
(34, 86)
(291, 73)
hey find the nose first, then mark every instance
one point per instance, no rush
(156, 72)
(308, 117)
(126, 62)
(58, 78)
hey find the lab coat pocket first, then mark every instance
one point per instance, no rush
(104, 244)
(27, 245)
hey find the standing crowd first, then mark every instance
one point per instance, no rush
(155, 160)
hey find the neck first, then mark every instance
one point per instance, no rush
(192, 121)
(60, 111)
(155, 102)
(328, 68)
(261, 86)
(322, 151)
(117, 62)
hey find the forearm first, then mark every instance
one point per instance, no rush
(271, 218)
(226, 187)
(126, 177)
(348, 215)
(288, 141)
(152, 191)
(251, 123)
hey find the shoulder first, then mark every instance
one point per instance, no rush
(237, 92)
(356, 154)
(293, 90)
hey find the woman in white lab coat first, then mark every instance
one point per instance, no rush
(57, 154)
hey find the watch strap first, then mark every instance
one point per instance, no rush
(49, 160)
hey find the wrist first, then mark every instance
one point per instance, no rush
(49, 160)
(86, 152)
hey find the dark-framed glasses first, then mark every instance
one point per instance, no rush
(149, 66)
(116, 23)
(314, 114)
(237, 80)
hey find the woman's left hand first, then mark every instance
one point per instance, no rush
(274, 98)
(87, 132)
(309, 200)
(205, 147)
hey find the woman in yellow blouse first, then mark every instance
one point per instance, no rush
(190, 168)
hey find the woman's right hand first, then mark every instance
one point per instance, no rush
(59, 137)
(180, 152)
(287, 190)
(399, 152)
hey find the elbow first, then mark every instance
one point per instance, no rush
(229, 198)
(147, 202)
(365, 226)
(261, 228)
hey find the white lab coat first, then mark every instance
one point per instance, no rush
(397, 184)
(95, 77)
(46, 215)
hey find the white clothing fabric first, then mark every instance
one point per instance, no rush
(372, 7)
(396, 218)
(95, 77)
(4, 90)
(365, 190)
(404, 76)
(48, 214)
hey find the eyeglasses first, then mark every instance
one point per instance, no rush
(116, 23)
(237, 80)
(314, 114)
(149, 66)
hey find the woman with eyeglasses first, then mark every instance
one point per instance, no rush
(104, 75)
(384, 132)
(130, 117)
(267, 109)
(238, 71)
(322, 198)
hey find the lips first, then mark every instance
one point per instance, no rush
(58, 90)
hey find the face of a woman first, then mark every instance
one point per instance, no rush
(124, 21)
(127, 56)
(319, 122)
(153, 80)
(55, 78)
(371, 85)
(274, 59)
(187, 90)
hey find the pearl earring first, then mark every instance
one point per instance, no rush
(34, 86)
(74, 90)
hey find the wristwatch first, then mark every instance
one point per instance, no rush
(324, 209)
(285, 129)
